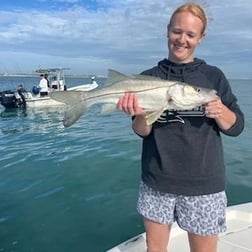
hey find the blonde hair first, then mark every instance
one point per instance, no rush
(194, 9)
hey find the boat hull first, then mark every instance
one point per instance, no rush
(42, 102)
(84, 87)
(11, 99)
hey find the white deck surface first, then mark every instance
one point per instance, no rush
(238, 237)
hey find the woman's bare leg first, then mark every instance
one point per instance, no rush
(199, 243)
(157, 236)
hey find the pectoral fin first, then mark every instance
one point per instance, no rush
(153, 116)
(107, 108)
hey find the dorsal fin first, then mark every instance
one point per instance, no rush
(115, 76)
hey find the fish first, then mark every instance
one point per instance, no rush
(155, 95)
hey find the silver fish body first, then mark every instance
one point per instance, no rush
(155, 95)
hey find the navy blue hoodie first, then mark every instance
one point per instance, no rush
(183, 154)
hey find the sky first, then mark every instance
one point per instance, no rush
(129, 36)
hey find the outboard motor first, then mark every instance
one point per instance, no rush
(11, 99)
(1, 93)
(8, 99)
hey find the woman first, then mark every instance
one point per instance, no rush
(183, 173)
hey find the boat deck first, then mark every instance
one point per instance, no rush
(238, 237)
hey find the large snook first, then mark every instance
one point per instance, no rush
(155, 96)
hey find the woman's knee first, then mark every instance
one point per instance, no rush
(200, 243)
(157, 236)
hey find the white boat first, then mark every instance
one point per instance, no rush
(85, 87)
(35, 101)
(27, 99)
(238, 237)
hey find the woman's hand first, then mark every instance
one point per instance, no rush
(129, 104)
(214, 109)
(224, 117)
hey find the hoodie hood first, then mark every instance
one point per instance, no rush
(177, 71)
(193, 73)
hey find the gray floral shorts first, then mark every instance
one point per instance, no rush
(201, 215)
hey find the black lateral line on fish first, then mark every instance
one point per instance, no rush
(128, 91)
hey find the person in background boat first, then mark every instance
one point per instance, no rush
(183, 171)
(20, 88)
(93, 81)
(48, 82)
(43, 86)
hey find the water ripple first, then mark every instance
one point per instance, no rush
(74, 171)
(50, 192)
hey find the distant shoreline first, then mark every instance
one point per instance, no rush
(66, 75)
(25, 75)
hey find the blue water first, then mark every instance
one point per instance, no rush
(75, 189)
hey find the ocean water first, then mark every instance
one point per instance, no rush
(75, 189)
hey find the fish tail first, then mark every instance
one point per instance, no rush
(74, 112)
(76, 105)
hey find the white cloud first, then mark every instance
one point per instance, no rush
(129, 35)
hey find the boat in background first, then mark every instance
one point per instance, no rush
(236, 239)
(85, 87)
(21, 98)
